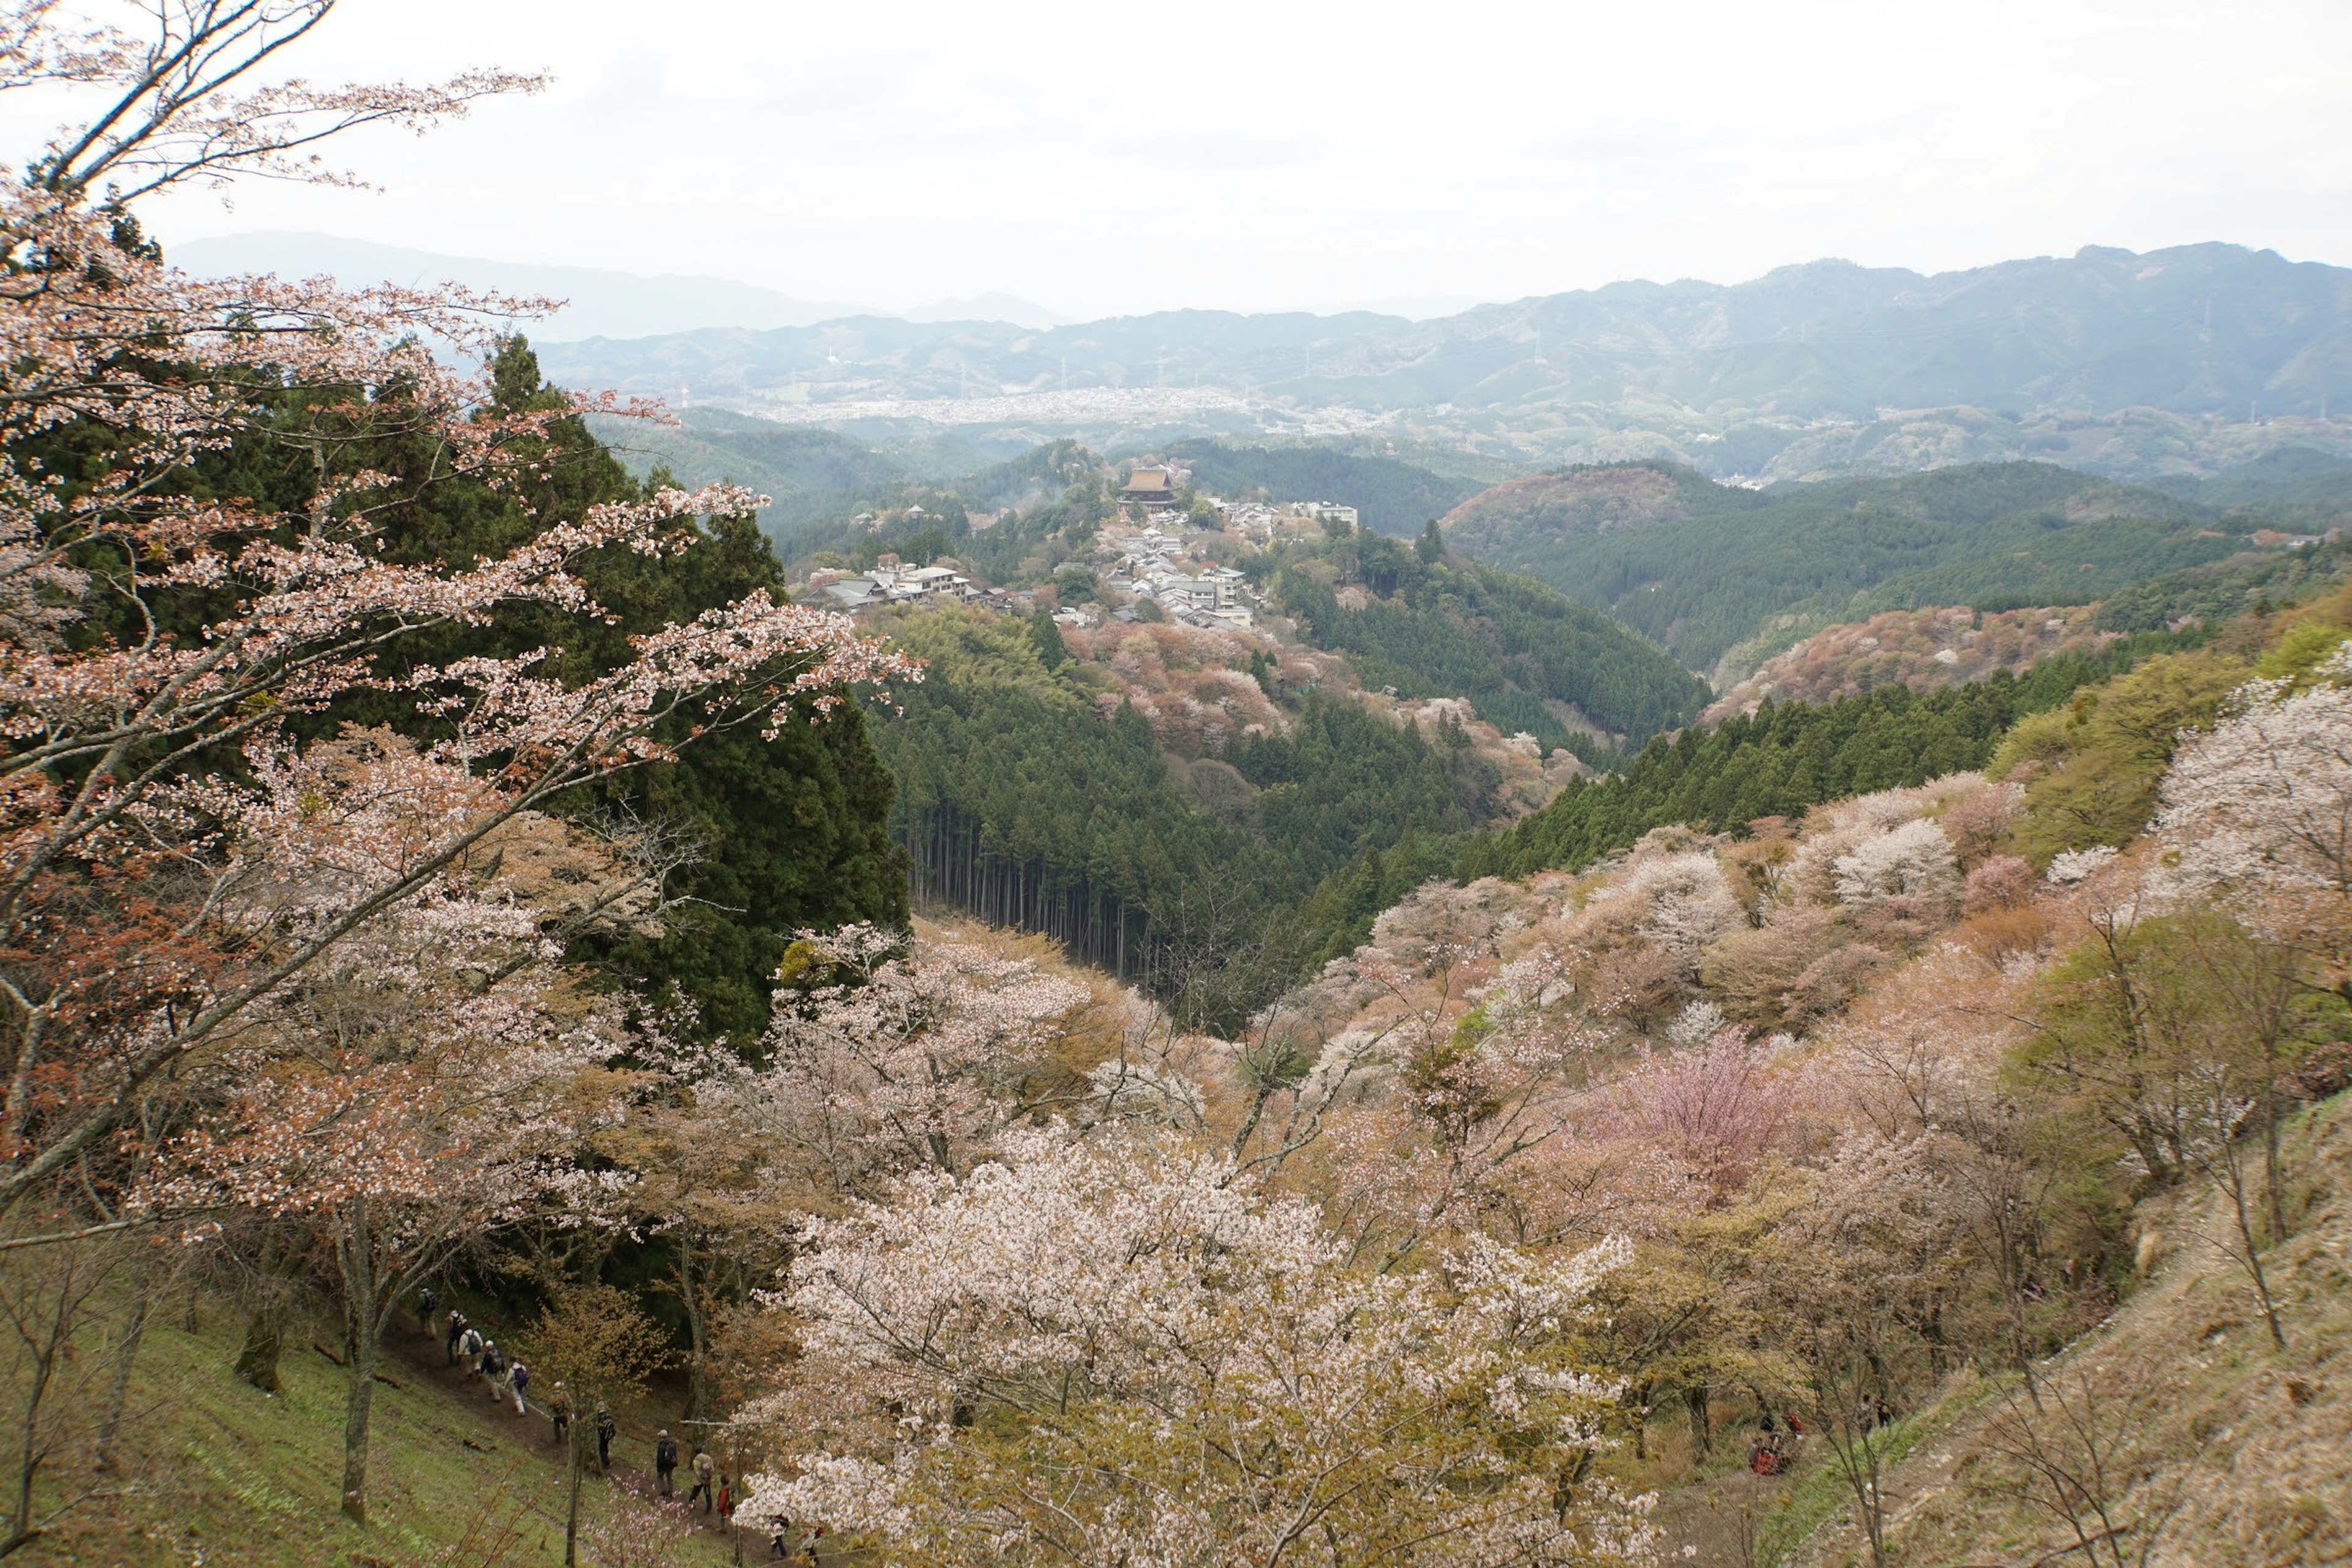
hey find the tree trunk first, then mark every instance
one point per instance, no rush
(698, 1333)
(265, 1326)
(126, 1350)
(362, 1330)
(265, 1336)
(355, 1434)
(572, 1498)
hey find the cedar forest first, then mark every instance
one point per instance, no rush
(1388, 1084)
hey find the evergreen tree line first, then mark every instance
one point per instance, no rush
(1020, 804)
(1441, 627)
(1984, 534)
(774, 834)
(1785, 759)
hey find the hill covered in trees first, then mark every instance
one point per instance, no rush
(1705, 568)
(1390, 496)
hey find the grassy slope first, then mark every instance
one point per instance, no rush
(227, 1475)
(2247, 1447)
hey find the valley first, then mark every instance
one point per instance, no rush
(1659, 923)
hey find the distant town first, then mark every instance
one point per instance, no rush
(1161, 560)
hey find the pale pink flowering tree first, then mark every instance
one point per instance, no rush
(907, 1054)
(122, 946)
(424, 1081)
(2259, 810)
(1714, 1109)
(1117, 1351)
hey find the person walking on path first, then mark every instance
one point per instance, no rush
(726, 1501)
(426, 1302)
(457, 1327)
(605, 1426)
(493, 1366)
(665, 1459)
(703, 1468)
(559, 1412)
(469, 1348)
(517, 1379)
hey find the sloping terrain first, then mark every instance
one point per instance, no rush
(1703, 567)
(216, 1471)
(2221, 1449)
(1926, 650)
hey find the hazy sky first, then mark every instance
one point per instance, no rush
(1111, 158)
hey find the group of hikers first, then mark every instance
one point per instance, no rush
(508, 1376)
(1773, 1449)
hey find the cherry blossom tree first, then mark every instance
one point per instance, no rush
(421, 1084)
(904, 1055)
(1713, 1108)
(167, 658)
(1118, 1349)
(2258, 810)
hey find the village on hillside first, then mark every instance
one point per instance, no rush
(1155, 553)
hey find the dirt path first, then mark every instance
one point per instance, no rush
(423, 1357)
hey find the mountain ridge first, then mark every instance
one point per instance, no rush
(2198, 329)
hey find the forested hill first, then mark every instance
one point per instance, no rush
(1785, 759)
(1704, 567)
(1389, 495)
(1035, 791)
(1528, 658)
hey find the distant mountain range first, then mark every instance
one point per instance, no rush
(2200, 329)
(2124, 362)
(601, 302)
(2136, 365)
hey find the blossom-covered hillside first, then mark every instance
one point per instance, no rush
(1926, 650)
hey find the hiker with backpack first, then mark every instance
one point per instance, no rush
(605, 1428)
(469, 1348)
(492, 1366)
(519, 1378)
(457, 1327)
(665, 1459)
(559, 1412)
(702, 1473)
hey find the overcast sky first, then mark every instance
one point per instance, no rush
(1102, 158)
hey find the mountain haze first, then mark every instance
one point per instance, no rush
(2198, 330)
(601, 302)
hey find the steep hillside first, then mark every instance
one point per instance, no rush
(1926, 650)
(2200, 1442)
(212, 1469)
(1703, 567)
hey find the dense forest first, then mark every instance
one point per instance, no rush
(1726, 564)
(1389, 495)
(1524, 655)
(1020, 802)
(1785, 759)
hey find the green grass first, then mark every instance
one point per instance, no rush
(1820, 1491)
(222, 1474)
